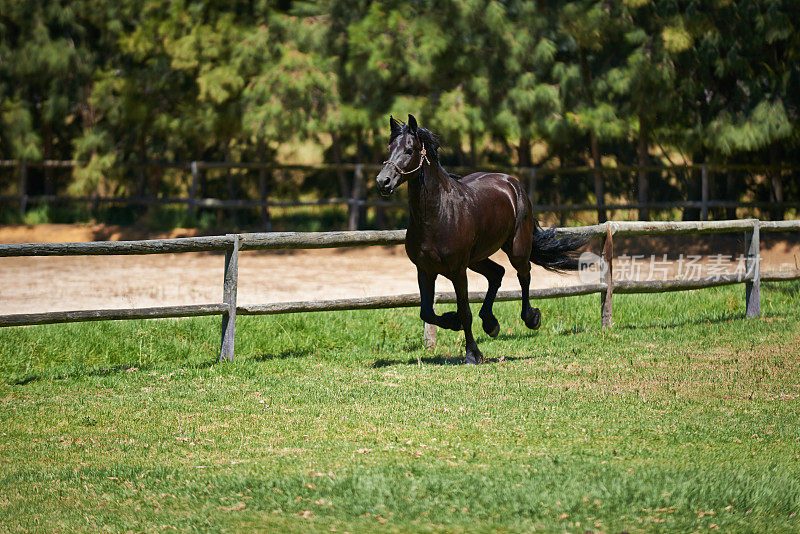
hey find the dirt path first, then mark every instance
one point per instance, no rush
(37, 284)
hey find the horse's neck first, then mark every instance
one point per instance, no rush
(425, 194)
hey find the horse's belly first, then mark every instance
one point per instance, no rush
(491, 233)
(480, 253)
(437, 258)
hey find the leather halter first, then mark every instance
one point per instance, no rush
(423, 158)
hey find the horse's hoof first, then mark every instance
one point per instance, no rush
(533, 320)
(450, 321)
(491, 326)
(473, 357)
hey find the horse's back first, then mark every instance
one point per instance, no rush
(476, 176)
(484, 179)
(485, 182)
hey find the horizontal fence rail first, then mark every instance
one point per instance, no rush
(255, 241)
(79, 316)
(354, 193)
(233, 244)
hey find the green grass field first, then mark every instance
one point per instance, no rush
(682, 417)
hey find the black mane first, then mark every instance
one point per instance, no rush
(429, 140)
(431, 143)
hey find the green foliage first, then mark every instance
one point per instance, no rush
(110, 83)
(39, 215)
(97, 174)
(18, 131)
(766, 124)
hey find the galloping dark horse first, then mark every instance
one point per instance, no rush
(457, 223)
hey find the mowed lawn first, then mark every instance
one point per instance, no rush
(684, 416)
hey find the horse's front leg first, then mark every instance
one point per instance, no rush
(494, 274)
(427, 283)
(459, 280)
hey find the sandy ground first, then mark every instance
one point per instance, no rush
(37, 284)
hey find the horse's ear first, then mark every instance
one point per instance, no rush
(412, 123)
(394, 126)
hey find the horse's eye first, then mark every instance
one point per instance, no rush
(409, 151)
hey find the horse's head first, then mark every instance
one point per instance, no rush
(406, 156)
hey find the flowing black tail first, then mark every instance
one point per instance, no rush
(556, 254)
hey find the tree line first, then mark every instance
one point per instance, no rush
(592, 83)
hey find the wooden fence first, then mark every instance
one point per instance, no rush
(356, 199)
(233, 244)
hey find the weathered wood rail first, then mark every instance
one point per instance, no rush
(233, 244)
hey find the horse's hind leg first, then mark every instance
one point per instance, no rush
(531, 316)
(494, 274)
(519, 253)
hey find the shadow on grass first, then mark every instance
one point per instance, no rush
(724, 318)
(427, 360)
(789, 289)
(573, 331)
(284, 355)
(22, 379)
(27, 378)
(440, 360)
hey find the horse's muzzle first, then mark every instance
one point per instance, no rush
(385, 192)
(385, 184)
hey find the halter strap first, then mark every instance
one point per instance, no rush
(423, 158)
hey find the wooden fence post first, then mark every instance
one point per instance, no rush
(429, 332)
(355, 198)
(429, 335)
(704, 193)
(229, 298)
(23, 187)
(753, 268)
(192, 203)
(606, 315)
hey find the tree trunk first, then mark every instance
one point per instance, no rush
(693, 181)
(473, 150)
(344, 185)
(777, 193)
(776, 187)
(460, 158)
(641, 152)
(594, 144)
(731, 194)
(358, 190)
(599, 185)
(263, 178)
(141, 187)
(561, 190)
(524, 153)
(233, 213)
(47, 142)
